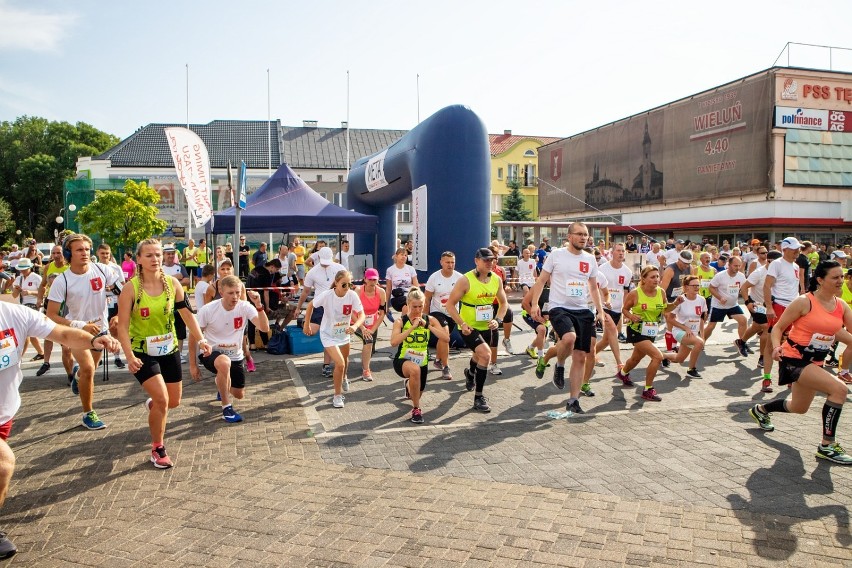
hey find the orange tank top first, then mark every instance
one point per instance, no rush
(814, 332)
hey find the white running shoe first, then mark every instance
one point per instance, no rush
(494, 369)
(507, 345)
(337, 401)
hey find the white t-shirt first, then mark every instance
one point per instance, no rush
(337, 315)
(176, 270)
(112, 299)
(16, 324)
(672, 256)
(343, 257)
(748, 258)
(200, 289)
(526, 271)
(440, 286)
(84, 294)
(321, 278)
(689, 312)
(729, 287)
(223, 329)
(651, 258)
(29, 284)
(619, 283)
(756, 279)
(569, 278)
(786, 286)
(286, 263)
(603, 283)
(401, 277)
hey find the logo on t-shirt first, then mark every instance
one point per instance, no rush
(97, 284)
(644, 306)
(621, 279)
(144, 312)
(698, 310)
(347, 309)
(238, 323)
(584, 267)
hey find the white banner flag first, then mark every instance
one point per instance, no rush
(420, 257)
(193, 169)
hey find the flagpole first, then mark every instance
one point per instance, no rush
(347, 125)
(269, 134)
(418, 98)
(188, 214)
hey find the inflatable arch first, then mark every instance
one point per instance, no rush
(449, 154)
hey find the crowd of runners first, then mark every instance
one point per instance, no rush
(579, 300)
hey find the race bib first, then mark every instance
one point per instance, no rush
(369, 320)
(759, 309)
(230, 350)
(576, 289)
(693, 325)
(112, 301)
(733, 290)
(159, 345)
(484, 313)
(545, 308)
(677, 292)
(821, 342)
(650, 328)
(705, 284)
(8, 353)
(338, 330)
(615, 295)
(416, 357)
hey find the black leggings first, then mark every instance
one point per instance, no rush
(264, 337)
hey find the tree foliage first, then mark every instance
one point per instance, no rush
(122, 219)
(36, 157)
(513, 205)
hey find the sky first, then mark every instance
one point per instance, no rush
(541, 68)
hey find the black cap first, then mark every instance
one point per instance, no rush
(680, 242)
(484, 253)
(774, 255)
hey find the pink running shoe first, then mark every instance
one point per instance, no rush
(160, 459)
(651, 394)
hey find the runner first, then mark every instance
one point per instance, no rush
(705, 274)
(508, 319)
(82, 290)
(752, 293)
(172, 268)
(105, 259)
(299, 263)
(439, 286)
(374, 301)
(815, 320)
(224, 323)
(670, 281)
(725, 288)
(56, 266)
(410, 336)
(538, 347)
(319, 279)
(225, 269)
(25, 288)
(147, 310)
(18, 321)
(619, 277)
(527, 271)
(338, 305)
(477, 322)
(399, 278)
(687, 321)
(128, 265)
(644, 308)
(572, 274)
(203, 285)
(190, 262)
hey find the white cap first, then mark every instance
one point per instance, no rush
(791, 243)
(839, 254)
(325, 256)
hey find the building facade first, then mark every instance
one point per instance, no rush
(766, 156)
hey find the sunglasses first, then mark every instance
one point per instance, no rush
(346, 285)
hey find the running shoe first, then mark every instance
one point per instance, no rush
(574, 407)
(406, 394)
(438, 365)
(666, 362)
(160, 459)
(183, 359)
(507, 345)
(622, 338)
(7, 548)
(760, 361)
(45, 367)
(326, 371)
(586, 389)
(250, 365)
(469, 379)
(367, 377)
(625, 379)
(831, 363)
(762, 418)
(446, 374)
(693, 373)
(75, 387)
(230, 415)
(559, 377)
(540, 366)
(417, 416)
(747, 348)
(651, 394)
(92, 422)
(38, 357)
(148, 404)
(833, 452)
(345, 384)
(337, 401)
(531, 352)
(766, 386)
(741, 347)
(480, 404)
(494, 369)
(119, 364)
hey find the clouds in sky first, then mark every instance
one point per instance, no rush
(28, 29)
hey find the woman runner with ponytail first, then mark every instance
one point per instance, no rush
(146, 332)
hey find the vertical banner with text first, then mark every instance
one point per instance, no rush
(418, 217)
(192, 163)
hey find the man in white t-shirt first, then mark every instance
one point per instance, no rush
(82, 289)
(673, 253)
(344, 254)
(319, 279)
(619, 277)
(105, 260)
(526, 270)
(25, 287)
(16, 323)
(725, 290)
(438, 288)
(224, 322)
(572, 273)
(752, 293)
(652, 257)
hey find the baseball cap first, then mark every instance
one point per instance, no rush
(371, 274)
(724, 256)
(169, 248)
(24, 264)
(774, 255)
(835, 254)
(484, 253)
(325, 256)
(226, 260)
(790, 243)
(680, 242)
(686, 255)
(755, 242)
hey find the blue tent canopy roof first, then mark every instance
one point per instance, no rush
(286, 204)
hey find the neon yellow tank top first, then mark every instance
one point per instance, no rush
(704, 278)
(417, 341)
(649, 308)
(477, 305)
(846, 295)
(151, 316)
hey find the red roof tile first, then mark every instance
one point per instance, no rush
(502, 142)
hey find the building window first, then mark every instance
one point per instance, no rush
(340, 178)
(339, 199)
(500, 173)
(403, 212)
(513, 172)
(319, 177)
(529, 178)
(496, 203)
(324, 195)
(529, 154)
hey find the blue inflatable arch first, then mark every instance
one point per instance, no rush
(449, 154)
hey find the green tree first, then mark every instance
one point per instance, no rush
(122, 219)
(513, 205)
